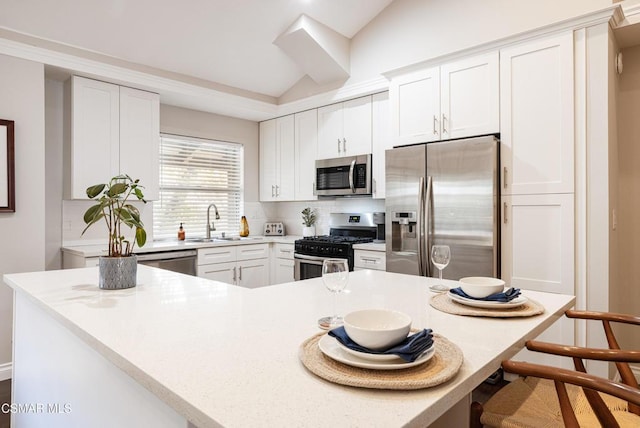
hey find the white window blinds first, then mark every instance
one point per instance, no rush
(194, 173)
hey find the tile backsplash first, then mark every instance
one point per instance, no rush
(257, 213)
(290, 213)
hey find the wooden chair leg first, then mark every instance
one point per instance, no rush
(475, 413)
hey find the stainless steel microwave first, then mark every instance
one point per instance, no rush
(345, 176)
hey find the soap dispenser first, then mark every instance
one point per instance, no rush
(181, 233)
(244, 227)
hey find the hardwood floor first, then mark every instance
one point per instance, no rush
(5, 397)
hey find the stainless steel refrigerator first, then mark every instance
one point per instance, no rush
(443, 193)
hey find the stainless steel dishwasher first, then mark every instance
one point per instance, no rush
(183, 261)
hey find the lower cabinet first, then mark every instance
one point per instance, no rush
(283, 264)
(538, 254)
(243, 265)
(367, 259)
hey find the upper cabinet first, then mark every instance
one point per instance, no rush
(306, 148)
(537, 116)
(277, 170)
(114, 130)
(455, 100)
(344, 129)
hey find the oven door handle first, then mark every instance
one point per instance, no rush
(317, 259)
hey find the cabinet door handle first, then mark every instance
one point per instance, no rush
(344, 145)
(272, 190)
(234, 274)
(240, 275)
(435, 123)
(338, 145)
(277, 190)
(366, 260)
(505, 209)
(444, 128)
(504, 177)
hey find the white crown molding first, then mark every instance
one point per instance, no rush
(613, 14)
(360, 89)
(172, 90)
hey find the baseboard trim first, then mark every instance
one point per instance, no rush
(6, 371)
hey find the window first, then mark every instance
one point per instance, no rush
(194, 173)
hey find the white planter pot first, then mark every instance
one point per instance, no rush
(309, 231)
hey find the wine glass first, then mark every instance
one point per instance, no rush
(440, 257)
(335, 275)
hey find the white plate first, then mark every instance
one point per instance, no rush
(333, 349)
(518, 301)
(374, 357)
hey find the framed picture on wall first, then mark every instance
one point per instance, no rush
(7, 167)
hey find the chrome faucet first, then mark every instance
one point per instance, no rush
(210, 224)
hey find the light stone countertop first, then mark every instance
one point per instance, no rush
(222, 355)
(95, 250)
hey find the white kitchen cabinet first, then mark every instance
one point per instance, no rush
(283, 263)
(95, 135)
(455, 100)
(344, 129)
(223, 272)
(367, 259)
(538, 242)
(277, 159)
(114, 130)
(537, 116)
(140, 138)
(381, 141)
(306, 149)
(242, 265)
(253, 273)
(538, 254)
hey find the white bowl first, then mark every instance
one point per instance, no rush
(377, 329)
(481, 286)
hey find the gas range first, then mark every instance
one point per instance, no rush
(346, 230)
(329, 245)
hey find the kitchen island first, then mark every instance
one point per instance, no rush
(181, 351)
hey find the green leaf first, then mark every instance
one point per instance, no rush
(138, 193)
(141, 236)
(94, 220)
(133, 210)
(95, 190)
(92, 212)
(117, 189)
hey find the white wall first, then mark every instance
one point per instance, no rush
(412, 31)
(23, 232)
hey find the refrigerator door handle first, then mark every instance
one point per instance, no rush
(421, 220)
(427, 222)
(351, 171)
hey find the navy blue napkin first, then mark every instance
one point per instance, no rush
(409, 349)
(503, 296)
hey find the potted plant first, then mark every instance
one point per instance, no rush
(309, 218)
(119, 268)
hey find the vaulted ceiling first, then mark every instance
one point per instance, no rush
(224, 41)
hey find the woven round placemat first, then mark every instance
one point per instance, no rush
(440, 368)
(443, 303)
